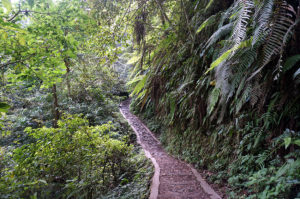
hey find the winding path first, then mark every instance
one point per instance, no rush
(173, 179)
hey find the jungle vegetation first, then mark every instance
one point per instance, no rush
(61, 133)
(218, 81)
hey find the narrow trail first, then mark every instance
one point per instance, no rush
(173, 179)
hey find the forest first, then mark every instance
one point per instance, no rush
(217, 82)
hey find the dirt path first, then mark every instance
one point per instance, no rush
(173, 179)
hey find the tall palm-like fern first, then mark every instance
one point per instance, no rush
(284, 19)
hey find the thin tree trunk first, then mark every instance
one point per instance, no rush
(55, 106)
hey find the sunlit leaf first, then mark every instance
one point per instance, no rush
(206, 23)
(22, 41)
(297, 142)
(287, 142)
(4, 107)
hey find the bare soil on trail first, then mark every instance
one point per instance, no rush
(173, 179)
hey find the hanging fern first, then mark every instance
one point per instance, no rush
(245, 59)
(206, 23)
(225, 56)
(280, 31)
(243, 16)
(214, 98)
(243, 99)
(221, 32)
(264, 16)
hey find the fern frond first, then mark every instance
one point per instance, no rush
(221, 32)
(225, 56)
(290, 62)
(280, 28)
(142, 94)
(135, 79)
(209, 4)
(244, 15)
(244, 60)
(214, 98)
(264, 17)
(206, 23)
(243, 99)
(255, 94)
(140, 85)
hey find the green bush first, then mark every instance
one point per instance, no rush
(65, 162)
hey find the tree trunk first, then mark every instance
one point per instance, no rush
(55, 106)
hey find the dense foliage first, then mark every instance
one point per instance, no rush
(220, 81)
(61, 135)
(69, 160)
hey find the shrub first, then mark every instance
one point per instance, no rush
(71, 160)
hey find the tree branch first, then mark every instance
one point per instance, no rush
(163, 12)
(17, 13)
(15, 62)
(29, 11)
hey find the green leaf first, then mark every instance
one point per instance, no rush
(4, 35)
(4, 107)
(22, 41)
(136, 79)
(70, 53)
(221, 59)
(142, 94)
(297, 142)
(207, 22)
(209, 4)
(225, 56)
(139, 86)
(214, 98)
(7, 5)
(43, 181)
(287, 142)
(290, 62)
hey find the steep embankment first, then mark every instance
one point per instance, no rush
(221, 87)
(173, 178)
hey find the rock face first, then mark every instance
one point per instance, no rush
(173, 179)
